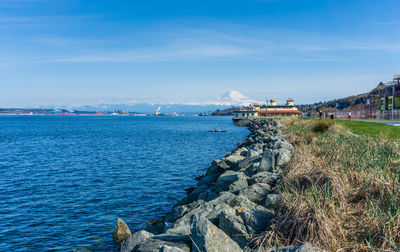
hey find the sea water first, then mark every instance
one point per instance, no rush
(64, 180)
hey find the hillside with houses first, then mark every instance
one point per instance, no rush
(383, 101)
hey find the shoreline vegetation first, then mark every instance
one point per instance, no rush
(341, 191)
(291, 185)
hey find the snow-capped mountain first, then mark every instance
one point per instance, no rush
(234, 98)
(227, 100)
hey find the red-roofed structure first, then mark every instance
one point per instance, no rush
(265, 112)
(268, 110)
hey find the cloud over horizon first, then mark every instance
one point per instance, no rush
(188, 53)
(223, 42)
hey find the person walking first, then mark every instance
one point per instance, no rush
(349, 115)
(320, 114)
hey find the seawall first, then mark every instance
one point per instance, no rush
(233, 204)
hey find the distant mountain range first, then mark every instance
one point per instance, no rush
(227, 100)
(152, 108)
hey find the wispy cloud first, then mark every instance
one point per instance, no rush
(22, 3)
(386, 23)
(199, 51)
(44, 21)
(223, 41)
(15, 20)
(263, 1)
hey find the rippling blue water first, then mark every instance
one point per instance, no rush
(65, 180)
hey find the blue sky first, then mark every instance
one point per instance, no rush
(58, 52)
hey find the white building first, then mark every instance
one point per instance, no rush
(268, 110)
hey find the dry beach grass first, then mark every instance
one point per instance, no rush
(341, 191)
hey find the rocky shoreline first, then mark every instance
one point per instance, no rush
(233, 204)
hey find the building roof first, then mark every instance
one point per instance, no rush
(279, 106)
(245, 111)
(279, 112)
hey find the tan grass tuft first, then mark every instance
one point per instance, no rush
(287, 120)
(341, 191)
(321, 126)
(302, 220)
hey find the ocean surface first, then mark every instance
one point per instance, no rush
(65, 180)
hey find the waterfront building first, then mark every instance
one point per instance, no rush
(280, 110)
(389, 95)
(387, 100)
(268, 110)
(245, 113)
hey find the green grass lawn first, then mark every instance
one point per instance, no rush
(372, 129)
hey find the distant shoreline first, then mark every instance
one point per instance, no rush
(130, 115)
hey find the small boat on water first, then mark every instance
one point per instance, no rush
(215, 130)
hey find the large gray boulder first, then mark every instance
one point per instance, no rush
(177, 231)
(155, 243)
(255, 217)
(280, 144)
(267, 161)
(231, 180)
(273, 201)
(283, 157)
(179, 211)
(245, 220)
(256, 192)
(224, 165)
(270, 178)
(241, 151)
(132, 241)
(248, 162)
(209, 210)
(233, 225)
(254, 153)
(207, 237)
(252, 169)
(233, 160)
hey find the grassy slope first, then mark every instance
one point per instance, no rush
(341, 191)
(372, 129)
